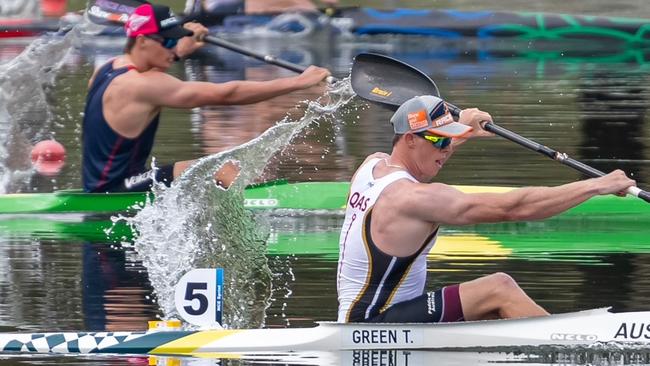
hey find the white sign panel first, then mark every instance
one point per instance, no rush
(199, 297)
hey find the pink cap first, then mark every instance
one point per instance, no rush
(154, 19)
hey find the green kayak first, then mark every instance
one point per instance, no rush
(275, 195)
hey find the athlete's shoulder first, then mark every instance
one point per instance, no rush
(153, 77)
(141, 82)
(101, 69)
(377, 155)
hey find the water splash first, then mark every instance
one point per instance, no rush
(20, 9)
(25, 114)
(196, 224)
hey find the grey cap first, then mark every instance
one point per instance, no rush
(427, 113)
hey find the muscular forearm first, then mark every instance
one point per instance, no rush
(248, 92)
(521, 204)
(171, 92)
(536, 203)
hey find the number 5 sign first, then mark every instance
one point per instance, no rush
(199, 297)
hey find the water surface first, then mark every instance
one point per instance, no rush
(590, 107)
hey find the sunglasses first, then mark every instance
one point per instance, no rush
(437, 141)
(168, 43)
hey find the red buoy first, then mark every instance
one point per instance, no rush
(53, 8)
(48, 157)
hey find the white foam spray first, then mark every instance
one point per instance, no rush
(25, 114)
(196, 224)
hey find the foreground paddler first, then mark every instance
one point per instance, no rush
(127, 94)
(394, 214)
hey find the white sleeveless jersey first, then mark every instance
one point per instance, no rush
(368, 280)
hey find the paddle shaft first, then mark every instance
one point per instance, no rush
(270, 59)
(551, 153)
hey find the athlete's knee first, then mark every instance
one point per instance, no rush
(503, 284)
(226, 175)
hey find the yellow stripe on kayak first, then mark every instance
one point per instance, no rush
(468, 247)
(188, 345)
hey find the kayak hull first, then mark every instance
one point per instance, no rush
(583, 328)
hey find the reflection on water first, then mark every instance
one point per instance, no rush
(116, 293)
(613, 119)
(404, 358)
(72, 285)
(513, 357)
(59, 274)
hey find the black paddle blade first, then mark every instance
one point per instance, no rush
(387, 81)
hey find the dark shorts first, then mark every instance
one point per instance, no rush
(142, 182)
(438, 306)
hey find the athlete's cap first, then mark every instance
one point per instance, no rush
(427, 113)
(155, 19)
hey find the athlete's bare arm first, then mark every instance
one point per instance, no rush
(92, 78)
(223, 176)
(160, 89)
(531, 203)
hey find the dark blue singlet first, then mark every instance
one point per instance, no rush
(112, 162)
